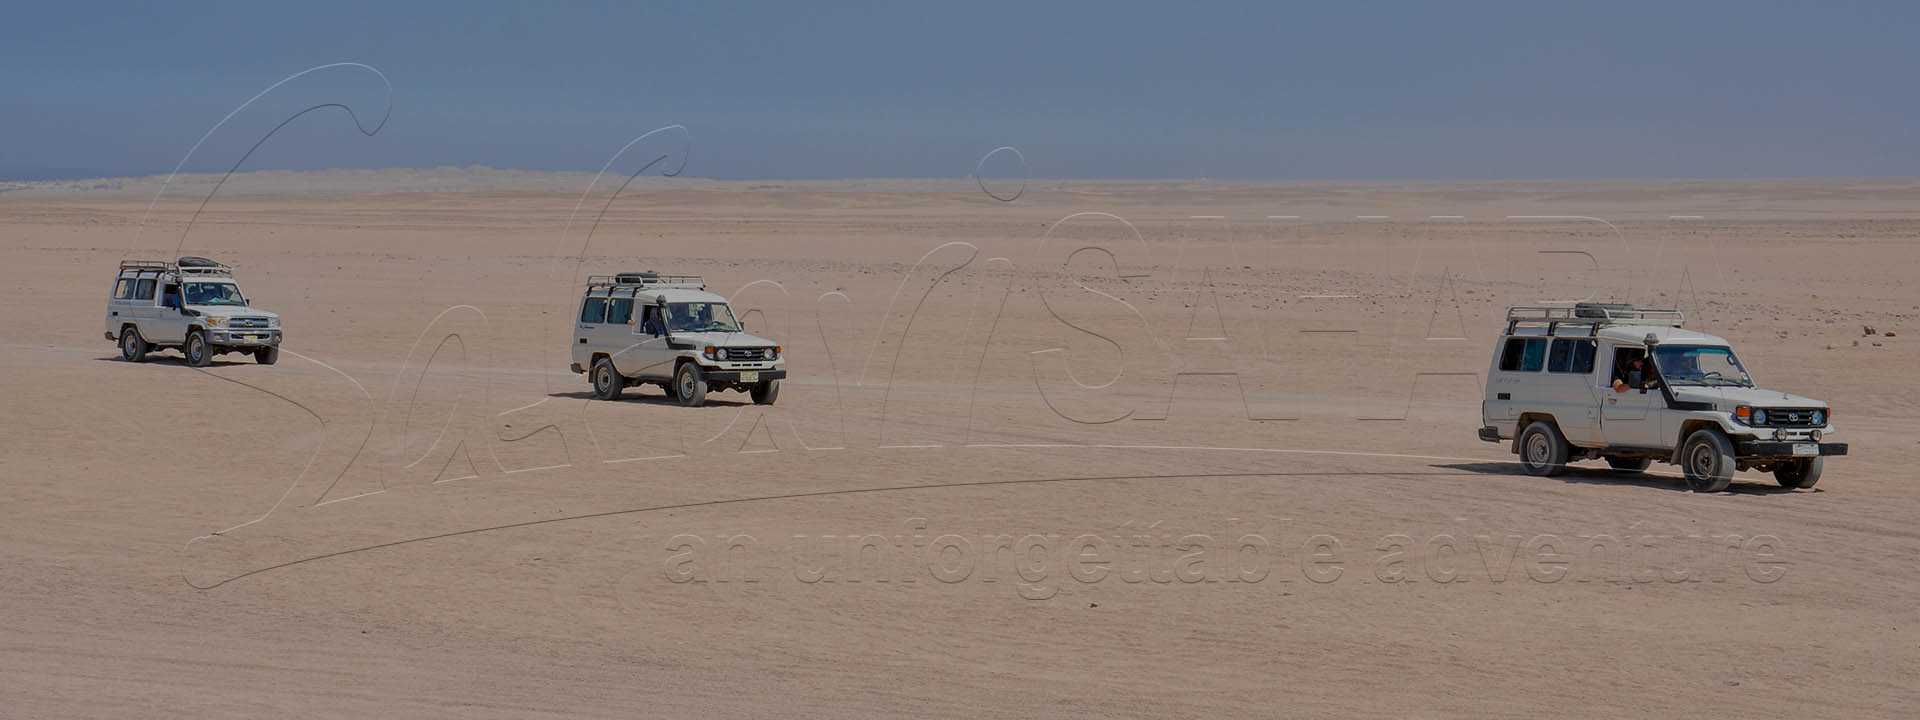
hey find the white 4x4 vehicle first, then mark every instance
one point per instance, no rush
(648, 329)
(1608, 381)
(192, 305)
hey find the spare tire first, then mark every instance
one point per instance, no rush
(194, 261)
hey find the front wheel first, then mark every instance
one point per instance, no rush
(607, 382)
(1802, 473)
(133, 348)
(199, 353)
(1542, 449)
(266, 355)
(765, 392)
(1707, 460)
(690, 385)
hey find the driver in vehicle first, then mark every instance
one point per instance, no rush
(1634, 375)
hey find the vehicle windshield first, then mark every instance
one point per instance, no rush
(1700, 365)
(214, 293)
(700, 317)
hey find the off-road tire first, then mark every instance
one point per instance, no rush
(199, 352)
(1543, 451)
(133, 348)
(607, 382)
(690, 385)
(266, 355)
(1707, 461)
(1801, 473)
(765, 392)
(1629, 464)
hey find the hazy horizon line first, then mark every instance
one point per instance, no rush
(146, 176)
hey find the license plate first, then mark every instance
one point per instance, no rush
(747, 377)
(1806, 449)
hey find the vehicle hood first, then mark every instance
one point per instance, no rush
(723, 339)
(1727, 398)
(227, 311)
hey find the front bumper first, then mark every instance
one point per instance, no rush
(248, 337)
(714, 375)
(1771, 449)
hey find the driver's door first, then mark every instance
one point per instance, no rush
(651, 354)
(1628, 418)
(170, 319)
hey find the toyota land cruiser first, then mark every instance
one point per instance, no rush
(192, 305)
(1603, 381)
(643, 328)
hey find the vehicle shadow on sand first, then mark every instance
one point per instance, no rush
(655, 397)
(1581, 475)
(179, 360)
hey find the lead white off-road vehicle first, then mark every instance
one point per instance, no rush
(644, 328)
(192, 305)
(1608, 381)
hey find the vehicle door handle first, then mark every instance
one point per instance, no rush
(583, 341)
(1503, 396)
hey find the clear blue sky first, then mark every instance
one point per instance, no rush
(1096, 90)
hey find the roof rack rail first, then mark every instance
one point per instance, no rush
(144, 265)
(1592, 316)
(185, 266)
(648, 279)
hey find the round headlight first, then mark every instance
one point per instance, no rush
(767, 353)
(1819, 417)
(1759, 416)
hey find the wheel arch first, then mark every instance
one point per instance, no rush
(1528, 418)
(1687, 429)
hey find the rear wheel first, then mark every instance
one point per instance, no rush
(199, 353)
(133, 348)
(765, 392)
(1802, 473)
(690, 385)
(1707, 460)
(1542, 449)
(607, 382)
(1629, 464)
(266, 355)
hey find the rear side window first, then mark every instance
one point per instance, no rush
(123, 289)
(1524, 354)
(1571, 356)
(593, 310)
(620, 311)
(144, 291)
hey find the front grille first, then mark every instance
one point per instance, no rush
(248, 322)
(1790, 417)
(748, 353)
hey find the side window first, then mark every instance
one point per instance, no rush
(1571, 356)
(620, 311)
(123, 289)
(1524, 354)
(594, 310)
(144, 290)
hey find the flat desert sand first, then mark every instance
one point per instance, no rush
(1107, 449)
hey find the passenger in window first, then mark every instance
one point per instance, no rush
(650, 322)
(1634, 374)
